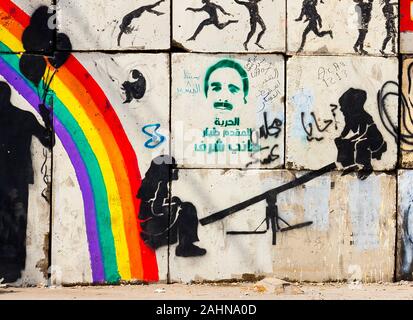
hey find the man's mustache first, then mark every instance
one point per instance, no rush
(223, 106)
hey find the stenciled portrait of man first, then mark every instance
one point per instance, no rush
(226, 85)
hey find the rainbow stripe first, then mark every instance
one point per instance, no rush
(98, 147)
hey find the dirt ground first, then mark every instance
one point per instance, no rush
(270, 290)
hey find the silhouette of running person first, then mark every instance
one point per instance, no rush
(212, 10)
(17, 127)
(309, 10)
(125, 26)
(361, 140)
(255, 18)
(164, 222)
(391, 16)
(365, 11)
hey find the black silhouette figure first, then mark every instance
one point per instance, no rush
(125, 26)
(212, 10)
(255, 18)
(136, 89)
(365, 9)
(365, 141)
(17, 127)
(309, 10)
(391, 16)
(165, 222)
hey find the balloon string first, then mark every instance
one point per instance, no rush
(47, 84)
(46, 177)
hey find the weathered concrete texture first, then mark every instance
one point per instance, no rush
(406, 42)
(352, 235)
(38, 212)
(144, 27)
(344, 19)
(150, 113)
(404, 262)
(406, 138)
(266, 20)
(205, 135)
(315, 118)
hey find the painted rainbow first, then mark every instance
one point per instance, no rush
(98, 147)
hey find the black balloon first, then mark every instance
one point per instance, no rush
(33, 67)
(61, 57)
(38, 37)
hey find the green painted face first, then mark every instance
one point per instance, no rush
(226, 84)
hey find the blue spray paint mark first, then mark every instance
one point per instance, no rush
(303, 100)
(156, 138)
(316, 202)
(365, 203)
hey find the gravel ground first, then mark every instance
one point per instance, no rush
(268, 289)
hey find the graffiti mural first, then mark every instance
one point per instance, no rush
(356, 130)
(212, 10)
(309, 11)
(134, 89)
(17, 127)
(406, 122)
(231, 26)
(363, 27)
(255, 18)
(119, 24)
(125, 26)
(241, 106)
(167, 221)
(126, 159)
(406, 26)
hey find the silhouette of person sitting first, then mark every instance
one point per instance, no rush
(212, 10)
(360, 141)
(135, 14)
(164, 222)
(255, 18)
(309, 10)
(389, 14)
(17, 127)
(136, 89)
(365, 9)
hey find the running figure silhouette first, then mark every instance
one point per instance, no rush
(391, 16)
(309, 10)
(212, 10)
(125, 26)
(364, 9)
(252, 6)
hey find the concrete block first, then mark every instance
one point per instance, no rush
(404, 257)
(321, 107)
(106, 143)
(351, 236)
(115, 25)
(228, 111)
(227, 25)
(406, 123)
(353, 231)
(24, 181)
(335, 27)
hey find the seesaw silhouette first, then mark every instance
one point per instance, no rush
(272, 217)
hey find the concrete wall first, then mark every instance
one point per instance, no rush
(284, 161)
